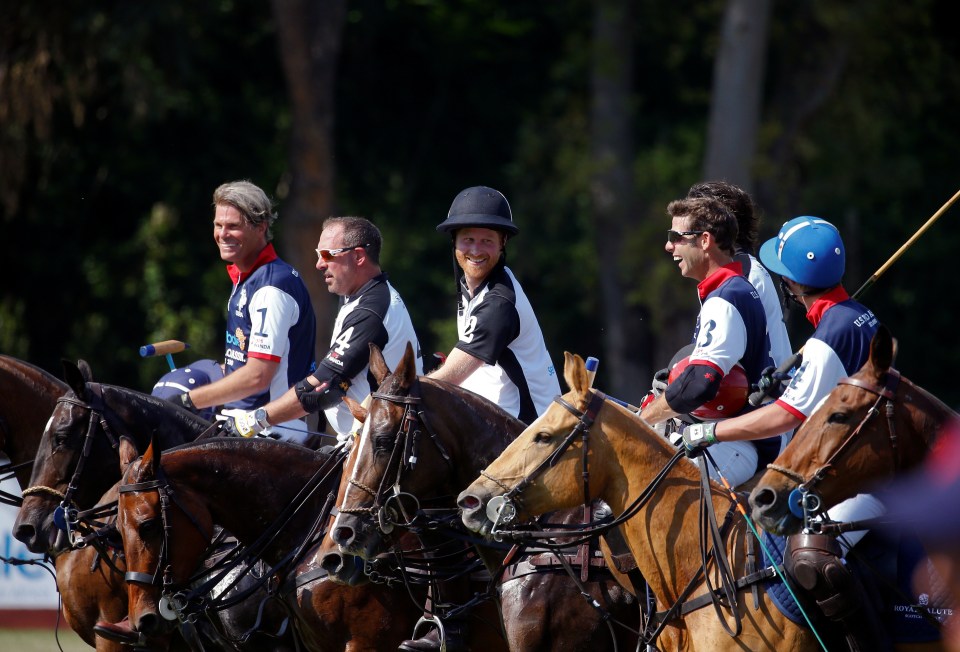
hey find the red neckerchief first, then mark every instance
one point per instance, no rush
(824, 303)
(266, 255)
(718, 278)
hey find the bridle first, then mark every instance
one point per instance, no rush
(803, 501)
(403, 457)
(65, 516)
(502, 509)
(170, 605)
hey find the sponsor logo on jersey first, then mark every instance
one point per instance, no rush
(237, 339)
(233, 354)
(242, 303)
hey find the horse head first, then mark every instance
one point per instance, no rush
(540, 470)
(76, 460)
(422, 439)
(870, 427)
(165, 536)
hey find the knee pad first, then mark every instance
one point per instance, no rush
(814, 561)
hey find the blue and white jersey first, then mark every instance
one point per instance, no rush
(498, 325)
(732, 324)
(269, 316)
(839, 347)
(759, 277)
(376, 314)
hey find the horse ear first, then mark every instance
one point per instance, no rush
(575, 372)
(128, 452)
(378, 366)
(407, 369)
(151, 458)
(358, 411)
(85, 370)
(74, 378)
(883, 349)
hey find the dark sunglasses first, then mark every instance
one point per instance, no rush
(673, 237)
(328, 254)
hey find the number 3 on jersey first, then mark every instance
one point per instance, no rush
(342, 343)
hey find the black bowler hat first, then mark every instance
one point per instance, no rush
(482, 207)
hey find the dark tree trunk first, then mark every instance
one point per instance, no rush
(309, 36)
(625, 333)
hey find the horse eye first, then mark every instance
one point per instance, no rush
(542, 437)
(838, 417)
(383, 442)
(149, 528)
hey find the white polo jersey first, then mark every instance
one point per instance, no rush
(760, 278)
(498, 326)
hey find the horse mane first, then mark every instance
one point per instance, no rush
(148, 401)
(940, 412)
(31, 373)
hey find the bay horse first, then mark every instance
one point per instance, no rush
(423, 439)
(871, 427)
(74, 450)
(622, 454)
(77, 459)
(169, 502)
(89, 589)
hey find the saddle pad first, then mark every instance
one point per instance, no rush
(775, 588)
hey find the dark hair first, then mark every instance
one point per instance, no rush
(359, 231)
(250, 200)
(739, 203)
(709, 215)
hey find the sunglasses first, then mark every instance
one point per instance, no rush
(328, 254)
(673, 237)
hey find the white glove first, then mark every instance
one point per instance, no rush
(245, 424)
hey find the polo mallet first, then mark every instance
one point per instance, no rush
(757, 397)
(165, 348)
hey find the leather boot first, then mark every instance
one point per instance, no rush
(454, 638)
(814, 561)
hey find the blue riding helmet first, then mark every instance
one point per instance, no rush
(182, 380)
(808, 250)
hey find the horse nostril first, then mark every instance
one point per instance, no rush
(342, 535)
(25, 533)
(149, 624)
(469, 503)
(763, 497)
(332, 562)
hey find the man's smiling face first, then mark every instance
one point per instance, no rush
(478, 252)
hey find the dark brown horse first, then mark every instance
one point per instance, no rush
(874, 425)
(87, 585)
(423, 440)
(77, 459)
(169, 503)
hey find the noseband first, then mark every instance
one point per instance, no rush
(405, 455)
(502, 509)
(803, 501)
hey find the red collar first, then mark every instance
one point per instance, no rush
(266, 255)
(718, 278)
(824, 303)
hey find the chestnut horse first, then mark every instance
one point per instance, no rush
(169, 503)
(73, 468)
(88, 587)
(623, 455)
(453, 433)
(874, 425)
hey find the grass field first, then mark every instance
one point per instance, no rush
(41, 640)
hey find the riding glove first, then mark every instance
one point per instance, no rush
(246, 424)
(326, 395)
(698, 436)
